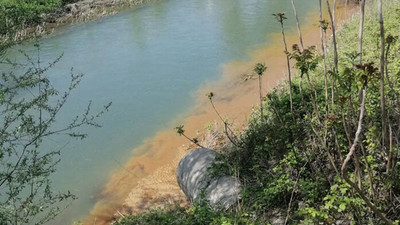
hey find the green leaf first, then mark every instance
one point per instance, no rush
(342, 207)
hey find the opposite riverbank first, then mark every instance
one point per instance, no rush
(85, 10)
(148, 178)
(40, 20)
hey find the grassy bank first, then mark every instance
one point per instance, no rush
(22, 19)
(17, 14)
(299, 166)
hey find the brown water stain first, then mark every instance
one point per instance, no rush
(148, 179)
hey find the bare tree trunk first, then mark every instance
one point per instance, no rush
(334, 11)
(357, 171)
(389, 160)
(361, 29)
(261, 99)
(382, 73)
(288, 67)
(313, 95)
(321, 30)
(388, 80)
(328, 62)
(298, 25)
(301, 43)
(335, 53)
(323, 57)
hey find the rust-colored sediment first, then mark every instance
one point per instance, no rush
(149, 177)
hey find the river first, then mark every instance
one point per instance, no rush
(149, 62)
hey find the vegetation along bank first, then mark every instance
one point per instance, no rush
(323, 148)
(37, 17)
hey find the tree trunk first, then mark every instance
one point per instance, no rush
(361, 29)
(323, 57)
(313, 95)
(382, 73)
(261, 99)
(298, 25)
(334, 11)
(288, 67)
(335, 54)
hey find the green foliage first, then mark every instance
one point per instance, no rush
(198, 214)
(280, 17)
(179, 130)
(324, 25)
(176, 215)
(305, 60)
(18, 13)
(210, 96)
(259, 69)
(336, 202)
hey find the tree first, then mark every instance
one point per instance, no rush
(29, 108)
(298, 25)
(307, 62)
(280, 17)
(259, 69)
(335, 52)
(322, 30)
(332, 19)
(369, 71)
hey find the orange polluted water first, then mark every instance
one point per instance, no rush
(148, 178)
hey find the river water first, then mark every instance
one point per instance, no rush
(149, 62)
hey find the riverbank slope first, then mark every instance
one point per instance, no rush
(327, 161)
(148, 179)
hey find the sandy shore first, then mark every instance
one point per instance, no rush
(148, 179)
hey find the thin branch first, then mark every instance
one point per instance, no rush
(352, 152)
